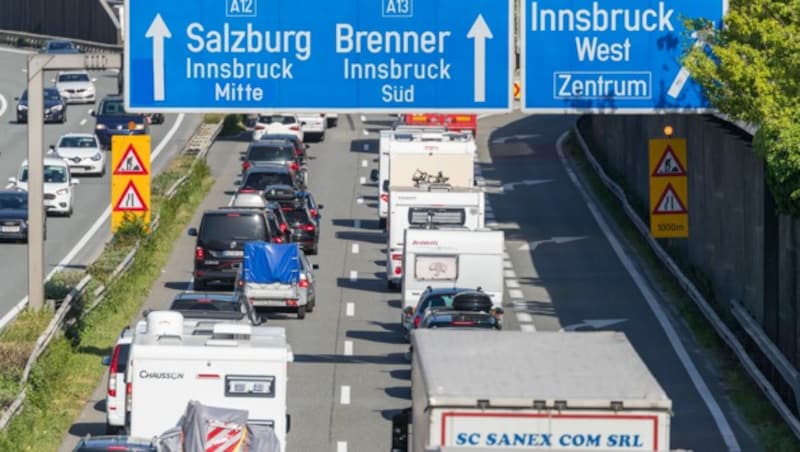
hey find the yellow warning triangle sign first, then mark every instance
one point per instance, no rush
(669, 203)
(669, 164)
(131, 200)
(130, 163)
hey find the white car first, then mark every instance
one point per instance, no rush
(59, 195)
(82, 153)
(75, 87)
(116, 397)
(281, 123)
(313, 124)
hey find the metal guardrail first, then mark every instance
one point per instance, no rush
(722, 330)
(33, 41)
(207, 133)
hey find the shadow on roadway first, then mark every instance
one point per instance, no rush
(369, 285)
(400, 374)
(398, 392)
(177, 285)
(369, 237)
(390, 359)
(351, 223)
(81, 429)
(358, 145)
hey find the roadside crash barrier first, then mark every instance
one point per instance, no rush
(754, 331)
(199, 144)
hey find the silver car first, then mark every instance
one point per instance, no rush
(75, 87)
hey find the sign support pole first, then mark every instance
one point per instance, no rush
(37, 64)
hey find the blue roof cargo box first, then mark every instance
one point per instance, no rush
(266, 263)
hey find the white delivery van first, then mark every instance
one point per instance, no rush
(427, 206)
(419, 142)
(237, 366)
(555, 391)
(446, 257)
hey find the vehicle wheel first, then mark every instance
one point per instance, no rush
(333, 122)
(313, 251)
(310, 306)
(69, 212)
(382, 223)
(301, 312)
(112, 430)
(393, 286)
(199, 285)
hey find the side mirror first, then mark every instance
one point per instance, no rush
(75, 182)
(315, 266)
(92, 112)
(192, 232)
(373, 175)
(94, 79)
(106, 360)
(320, 206)
(499, 311)
(16, 98)
(306, 146)
(408, 310)
(52, 80)
(13, 180)
(302, 123)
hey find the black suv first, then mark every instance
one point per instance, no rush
(258, 178)
(220, 243)
(305, 229)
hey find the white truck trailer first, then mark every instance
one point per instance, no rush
(413, 148)
(445, 257)
(427, 206)
(513, 390)
(237, 366)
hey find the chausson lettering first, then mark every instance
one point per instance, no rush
(160, 375)
(425, 242)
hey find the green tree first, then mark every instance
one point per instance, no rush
(752, 74)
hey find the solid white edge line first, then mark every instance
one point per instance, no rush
(3, 105)
(353, 275)
(524, 317)
(354, 248)
(344, 395)
(350, 309)
(348, 348)
(92, 230)
(699, 383)
(341, 446)
(527, 328)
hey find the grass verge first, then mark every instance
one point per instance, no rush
(772, 432)
(66, 374)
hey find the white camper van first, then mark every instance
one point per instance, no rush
(452, 258)
(427, 206)
(412, 148)
(237, 366)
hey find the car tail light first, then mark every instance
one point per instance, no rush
(463, 323)
(199, 253)
(314, 212)
(284, 228)
(308, 227)
(128, 396)
(112, 371)
(303, 283)
(294, 166)
(417, 321)
(397, 256)
(291, 302)
(246, 165)
(398, 271)
(246, 190)
(385, 197)
(295, 128)
(260, 127)
(277, 240)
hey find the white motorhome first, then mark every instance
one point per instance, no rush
(551, 391)
(445, 257)
(419, 142)
(236, 366)
(427, 206)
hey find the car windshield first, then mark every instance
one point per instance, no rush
(270, 153)
(13, 201)
(437, 301)
(77, 142)
(49, 94)
(233, 226)
(277, 119)
(112, 108)
(73, 78)
(53, 174)
(260, 181)
(296, 216)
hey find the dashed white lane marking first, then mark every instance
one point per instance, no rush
(508, 264)
(348, 348)
(366, 132)
(516, 293)
(527, 328)
(344, 395)
(3, 105)
(341, 446)
(364, 163)
(83, 121)
(360, 200)
(506, 255)
(363, 118)
(353, 275)
(89, 111)
(509, 274)
(362, 180)
(357, 224)
(365, 147)
(524, 317)
(512, 284)
(350, 309)
(354, 248)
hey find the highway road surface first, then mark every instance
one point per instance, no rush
(565, 269)
(71, 242)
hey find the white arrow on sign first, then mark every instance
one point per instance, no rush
(556, 240)
(683, 74)
(510, 186)
(158, 31)
(594, 324)
(480, 32)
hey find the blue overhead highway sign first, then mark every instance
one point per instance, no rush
(312, 55)
(611, 56)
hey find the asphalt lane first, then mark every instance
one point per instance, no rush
(92, 195)
(349, 376)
